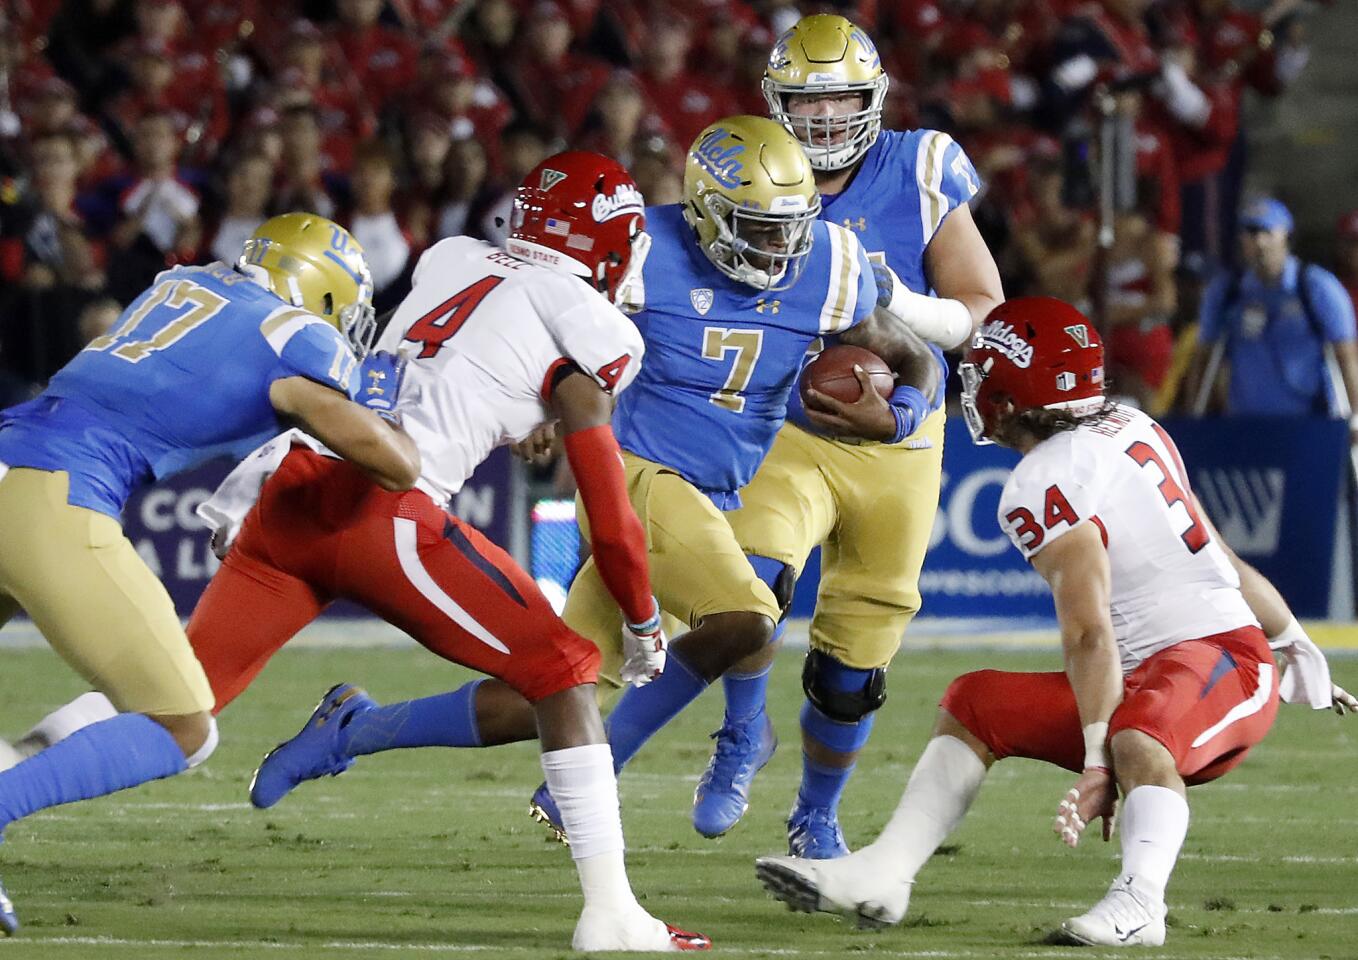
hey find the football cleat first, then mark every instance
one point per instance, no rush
(1125, 917)
(723, 790)
(869, 897)
(9, 920)
(542, 808)
(600, 930)
(813, 834)
(314, 752)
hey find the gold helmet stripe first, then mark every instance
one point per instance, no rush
(933, 147)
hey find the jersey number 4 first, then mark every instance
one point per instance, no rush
(435, 327)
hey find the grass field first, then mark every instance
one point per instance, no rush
(430, 853)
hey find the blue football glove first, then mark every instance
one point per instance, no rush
(380, 377)
(886, 283)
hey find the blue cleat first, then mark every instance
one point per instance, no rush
(723, 790)
(542, 808)
(813, 834)
(9, 920)
(314, 752)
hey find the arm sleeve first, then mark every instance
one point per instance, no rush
(617, 538)
(1042, 503)
(309, 347)
(1211, 322)
(1331, 303)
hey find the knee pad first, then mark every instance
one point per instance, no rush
(842, 693)
(781, 579)
(209, 745)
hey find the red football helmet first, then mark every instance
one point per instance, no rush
(1033, 352)
(581, 213)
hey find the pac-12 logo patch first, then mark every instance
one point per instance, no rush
(550, 178)
(701, 299)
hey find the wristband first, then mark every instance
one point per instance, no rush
(648, 626)
(1288, 637)
(909, 407)
(1096, 747)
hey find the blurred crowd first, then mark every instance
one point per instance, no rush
(136, 134)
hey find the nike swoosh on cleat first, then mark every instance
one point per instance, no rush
(1124, 935)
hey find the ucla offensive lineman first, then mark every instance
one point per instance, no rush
(742, 278)
(209, 361)
(870, 503)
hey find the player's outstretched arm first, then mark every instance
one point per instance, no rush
(357, 434)
(1076, 567)
(1306, 675)
(617, 539)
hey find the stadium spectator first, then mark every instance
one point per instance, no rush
(689, 101)
(467, 104)
(44, 239)
(1272, 324)
(619, 118)
(309, 75)
(428, 144)
(1139, 303)
(373, 219)
(552, 85)
(306, 183)
(653, 170)
(249, 184)
(382, 58)
(466, 193)
(1054, 241)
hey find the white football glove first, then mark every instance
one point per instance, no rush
(643, 651)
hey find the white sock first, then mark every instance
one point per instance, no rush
(942, 786)
(84, 710)
(585, 789)
(1153, 825)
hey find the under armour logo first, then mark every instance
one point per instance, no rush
(377, 376)
(860, 224)
(767, 306)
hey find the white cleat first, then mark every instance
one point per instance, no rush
(9, 756)
(1125, 917)
(853, 887)
(601, 930)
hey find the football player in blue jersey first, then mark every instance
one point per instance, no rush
(209, 361)
(742, 278)
(866, 493)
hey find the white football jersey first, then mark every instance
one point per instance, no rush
(485, 332)
(1170, 580)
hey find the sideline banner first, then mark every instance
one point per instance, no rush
(1272, 486)
(161, 523)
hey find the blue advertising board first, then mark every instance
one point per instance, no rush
(171, 539)
(1272, 487)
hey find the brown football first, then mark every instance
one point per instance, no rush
(832, 374)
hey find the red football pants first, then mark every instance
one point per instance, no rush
(1207, 701)
(322, 530)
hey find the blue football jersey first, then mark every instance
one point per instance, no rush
(908, 183)
(182, 378)
(721, 357)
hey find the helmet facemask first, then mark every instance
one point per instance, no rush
(973, 375)
(742, 249)
(834, 142)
